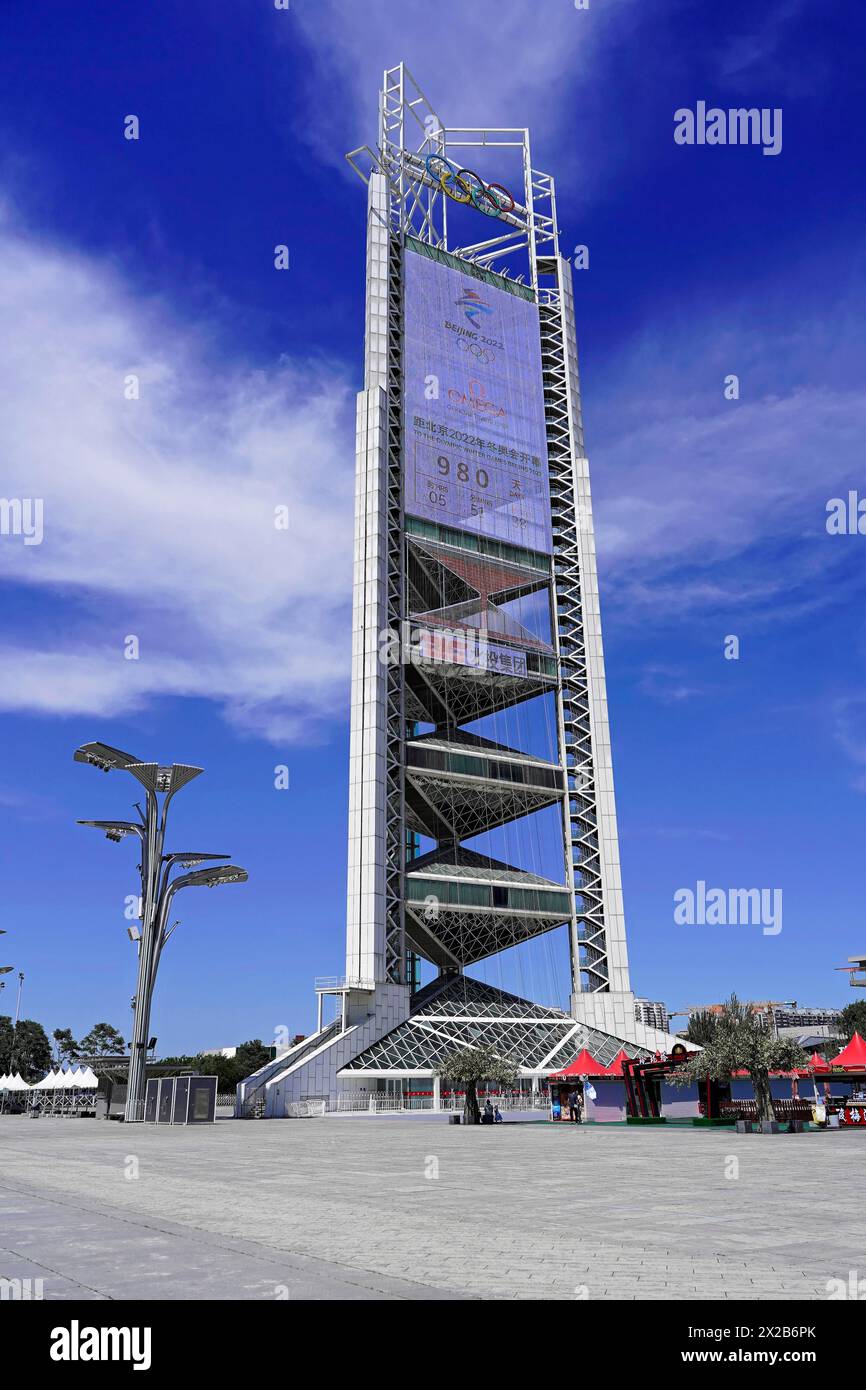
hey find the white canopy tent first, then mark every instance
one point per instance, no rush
(80, 1079)
(47, 1083)
(59, 1092)
(15, 1083)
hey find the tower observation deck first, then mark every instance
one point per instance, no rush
(475, 600)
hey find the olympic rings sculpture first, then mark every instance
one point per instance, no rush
(464, 186)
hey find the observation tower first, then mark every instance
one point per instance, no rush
(479, 707)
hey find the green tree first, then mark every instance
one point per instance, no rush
(102, 1041)
(702, 1027)
(471, 1065)
(252, 1055)
(742, 1043)
(225, 1069)
(228, 1070)
(851, 1020)
(5, 1043)
(24, 1049)
(68, 1050)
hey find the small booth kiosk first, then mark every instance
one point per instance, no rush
(643, 1083)
(843, 1081)
(574, 1077)
(847, 1108)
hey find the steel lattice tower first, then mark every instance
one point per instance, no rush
(417, 580)
(388, 787)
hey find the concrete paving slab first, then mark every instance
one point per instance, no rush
(401, 1209)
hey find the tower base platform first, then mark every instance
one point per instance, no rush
(394, 1042)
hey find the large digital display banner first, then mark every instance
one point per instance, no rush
(476, 451)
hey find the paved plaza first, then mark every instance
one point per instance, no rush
(402, 1208)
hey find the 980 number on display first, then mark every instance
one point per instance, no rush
(462, 472)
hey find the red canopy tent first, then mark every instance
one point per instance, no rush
(817, 1063)
(615, 1068)
(583, 1065)
(853, 1056)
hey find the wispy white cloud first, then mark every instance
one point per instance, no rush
(754, 54)
(159, 512)
(849, 728)
(702, 502)
(480, 64)
(26, 805)
(669, 684)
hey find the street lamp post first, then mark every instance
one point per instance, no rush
(157, 890)
(17, 1017)
(5, 970)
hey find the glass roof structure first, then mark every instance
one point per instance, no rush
(457, 1011)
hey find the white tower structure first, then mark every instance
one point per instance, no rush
(473, 508)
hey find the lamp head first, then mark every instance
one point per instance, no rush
(156, 778)
(115, 830)
(188, 860)
(103, 756)
(213, 877)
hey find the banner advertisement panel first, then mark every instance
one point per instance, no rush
(476, 451)
(464, 647)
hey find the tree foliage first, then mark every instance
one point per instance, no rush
(5, 1043)
(471, 1065)
(229, 1071)
(252, 1055)
(852, 1020)
(68, 1050)
(25, 1049)
(702, 1027)
(741, 1042)
(102, 1041)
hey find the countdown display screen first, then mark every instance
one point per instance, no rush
(476, 453)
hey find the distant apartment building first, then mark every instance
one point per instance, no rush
(793, 1022)
(652, 1012)
(788, 1019)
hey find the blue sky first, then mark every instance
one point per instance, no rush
(155, 257)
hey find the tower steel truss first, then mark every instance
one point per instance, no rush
(407, 203)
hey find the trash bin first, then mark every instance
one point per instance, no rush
(454, 1119)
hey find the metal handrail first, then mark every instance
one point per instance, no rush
(326, 982)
